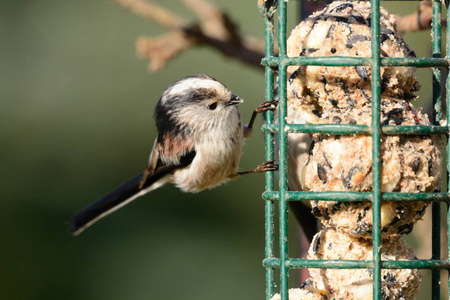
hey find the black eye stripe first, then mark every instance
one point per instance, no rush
(201, 94)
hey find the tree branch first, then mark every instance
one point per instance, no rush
(419, 20)
(153, 11)
(162, 49)
(210, 17)
(216, 29)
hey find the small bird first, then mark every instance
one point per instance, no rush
(198, 146)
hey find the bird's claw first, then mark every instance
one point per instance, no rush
(267, 166)
(267, 105)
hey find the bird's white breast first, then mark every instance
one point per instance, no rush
(218, 151)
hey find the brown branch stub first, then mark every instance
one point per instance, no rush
(419, 20)
(214, 22)
(210, 16)
(161, 50)
(153, 11)
(267, 7)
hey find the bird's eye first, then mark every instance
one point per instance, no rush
(212, 106)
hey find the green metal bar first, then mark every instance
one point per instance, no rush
(357, 196)
(418, 62)
(284, 196)
(416, 264)
(340, 61)
(447, 88)
(415, 130)
(316, 61)
(376, 149)
(359, 264)
(330, 264)
(448, 229)
(436, 249)
(436, 40)
(322, 196)
(269, 141)
(282, 142)
(356, 129)
(319, 128)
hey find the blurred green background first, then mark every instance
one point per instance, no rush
(76, 121)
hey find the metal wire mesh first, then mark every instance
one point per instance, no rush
(281, 197)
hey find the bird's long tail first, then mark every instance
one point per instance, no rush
(107, 204)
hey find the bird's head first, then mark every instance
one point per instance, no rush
(197, 100)
(199, 90)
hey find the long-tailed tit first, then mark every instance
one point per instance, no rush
(199, 144)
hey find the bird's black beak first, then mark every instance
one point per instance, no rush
(234, 100)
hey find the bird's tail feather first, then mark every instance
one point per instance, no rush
(107, 204)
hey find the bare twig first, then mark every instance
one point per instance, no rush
(419, 20)
(210, 17)
(215, 23)
(216, 29)
(267, 7)
(162, 49)
(153, 11)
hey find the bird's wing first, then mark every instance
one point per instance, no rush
(152, 164)
(176, 154)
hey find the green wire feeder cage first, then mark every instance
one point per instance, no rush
(397, 125)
